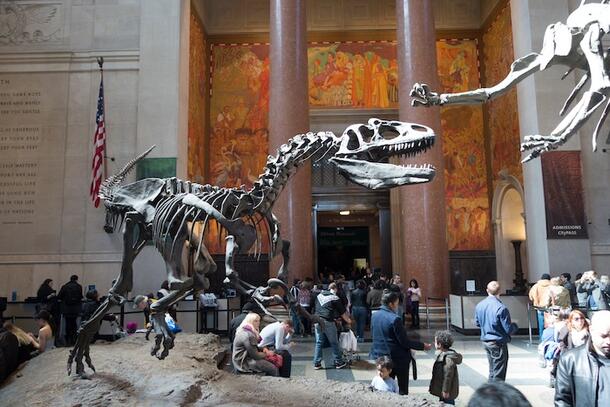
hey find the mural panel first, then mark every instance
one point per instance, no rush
(353, 74)
(198, 76)
(467, 200)
(239, 109)
(503, 119)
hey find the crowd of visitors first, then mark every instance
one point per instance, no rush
(574, 321)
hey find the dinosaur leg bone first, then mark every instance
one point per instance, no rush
(132, 244)
(157, 319)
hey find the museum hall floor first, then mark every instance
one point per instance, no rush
(523, 370)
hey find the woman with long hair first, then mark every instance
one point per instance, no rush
(45, 291)
(26, 342)
(577, 330)
(46, 333)
(246, 356)
(414, 293)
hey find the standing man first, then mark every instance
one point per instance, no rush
(539, 294)
(583, 373)
(566, 281)
(492, 316)
(598, 292)
(390, 339)
(329, 307)
(71, 295)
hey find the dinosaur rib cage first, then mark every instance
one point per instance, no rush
(176, 221)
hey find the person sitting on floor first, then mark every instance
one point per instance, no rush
(382, 380)
(277, 336)
(46, 333)
(246, 357)
(27, 345)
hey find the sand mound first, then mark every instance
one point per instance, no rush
(128, 376)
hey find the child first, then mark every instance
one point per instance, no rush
(382, 380)
(445, 383)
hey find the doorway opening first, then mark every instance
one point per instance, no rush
(342, 249)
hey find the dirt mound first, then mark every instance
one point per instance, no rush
(128, 376)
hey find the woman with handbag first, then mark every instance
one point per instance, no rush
(246, 356)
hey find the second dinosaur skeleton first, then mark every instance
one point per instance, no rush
(577, 44)
(175, 215)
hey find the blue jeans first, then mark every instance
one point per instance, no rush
(327, 335)
(296, 322)
(359, 314)
(452, 402)
(540, 315)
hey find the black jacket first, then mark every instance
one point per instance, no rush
(577, 377)
(71, 295)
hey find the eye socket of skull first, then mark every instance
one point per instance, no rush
(353, 141)
(388, 132)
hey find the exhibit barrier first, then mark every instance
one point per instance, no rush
(190, 315)
(436, 308)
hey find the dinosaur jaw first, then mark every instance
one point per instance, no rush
(375, 175)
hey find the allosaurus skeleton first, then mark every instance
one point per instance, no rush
(175, 214)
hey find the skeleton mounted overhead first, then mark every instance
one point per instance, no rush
(175, 215)
(577, 45)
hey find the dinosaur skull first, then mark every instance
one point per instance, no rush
(365, 150)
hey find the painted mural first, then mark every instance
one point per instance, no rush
(198, 76)
(503, 119)
(467, 199)
(350, 75)
(239, 109)
(353, 74)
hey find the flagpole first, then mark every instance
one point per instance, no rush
(100, 62)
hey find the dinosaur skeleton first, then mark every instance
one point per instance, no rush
(175, 214)
(577, 45)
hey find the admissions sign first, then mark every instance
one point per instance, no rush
(563, 195)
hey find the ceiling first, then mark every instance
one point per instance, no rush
(252, 16)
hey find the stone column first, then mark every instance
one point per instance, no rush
(423, 243)
(289, 115)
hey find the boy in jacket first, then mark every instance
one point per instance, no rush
(445, 382)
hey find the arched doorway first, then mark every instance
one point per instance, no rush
(509, 226)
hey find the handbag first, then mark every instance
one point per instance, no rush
(171, 324)
(277, 360)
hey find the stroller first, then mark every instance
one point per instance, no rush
(348, 344)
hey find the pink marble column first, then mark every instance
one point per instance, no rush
(289, 115)
(422, 220)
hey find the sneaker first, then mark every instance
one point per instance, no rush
(318, 366)
(340, 365)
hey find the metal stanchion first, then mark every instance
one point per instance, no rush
(427, 314)
(447, 312)
(529, 323)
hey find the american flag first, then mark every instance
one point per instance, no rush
(99, 144)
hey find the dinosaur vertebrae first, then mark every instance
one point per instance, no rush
(252, 206)
(289, 157)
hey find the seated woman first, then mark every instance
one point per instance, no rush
(46, 334)
(26, 342)
(246, 356)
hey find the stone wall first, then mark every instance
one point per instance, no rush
(49, 83)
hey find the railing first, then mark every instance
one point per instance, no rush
(445, 301)
(26, 314)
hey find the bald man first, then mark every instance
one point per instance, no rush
(492, 316)
(583, 373)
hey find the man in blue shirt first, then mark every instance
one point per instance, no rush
(492, 316)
